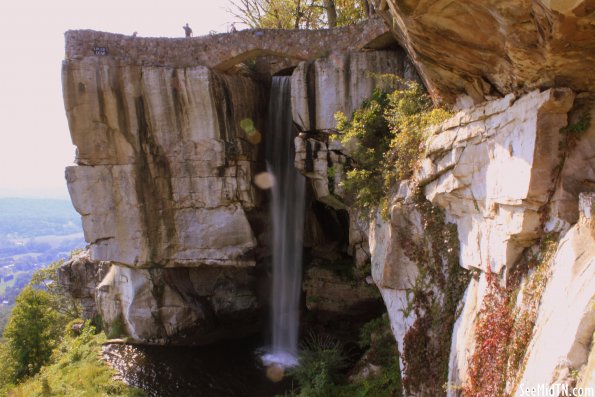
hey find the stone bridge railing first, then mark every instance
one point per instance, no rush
(223, 51)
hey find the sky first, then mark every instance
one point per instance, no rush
(35, 144)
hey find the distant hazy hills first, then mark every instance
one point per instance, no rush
(38, 217)
(34, 233)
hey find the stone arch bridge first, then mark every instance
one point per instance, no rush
(225, 50)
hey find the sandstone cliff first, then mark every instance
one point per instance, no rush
(491, 48)
(500, 206)
(163, 181)
(167, 147)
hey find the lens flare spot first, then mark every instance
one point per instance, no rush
(275, 372)
(264, 180)
(254, 138)
(247, 125)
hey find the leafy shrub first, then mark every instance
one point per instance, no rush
(35, 325)
(117, 329)
(42, 353)
(32, 332)
(366, 137)
(46, 278)
(321, 361)
(76, 369)
(377, 337)
(376, 326)
(385, 138)
(410, 113)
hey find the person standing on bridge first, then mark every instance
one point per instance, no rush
(187, 30)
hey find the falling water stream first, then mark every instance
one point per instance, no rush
(287, 214)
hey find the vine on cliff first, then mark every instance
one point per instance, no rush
(503, 331)
(487, 367)
(434, 299)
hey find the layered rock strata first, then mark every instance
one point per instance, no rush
(499, 172)
(166, 152)
(490, 48)
(163, 180)
(80, 277)
(492, 169)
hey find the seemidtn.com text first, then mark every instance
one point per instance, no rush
(555, 390)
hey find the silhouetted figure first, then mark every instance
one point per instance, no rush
(187, 30)
(233, 28)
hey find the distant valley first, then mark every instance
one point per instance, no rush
(33, 234)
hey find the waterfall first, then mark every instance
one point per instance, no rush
(287, 214)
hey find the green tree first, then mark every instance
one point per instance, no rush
(47, 279)
(32, 331)
(299, 14)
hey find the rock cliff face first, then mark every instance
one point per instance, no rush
(495, 181)
(491, 48)
(500, 224)
(499, 208)
(157, 148)
(163, 180)
(167, 148)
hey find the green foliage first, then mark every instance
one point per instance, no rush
(385, 139)
(386, 384)
(350, 11)
(573, 132)
(366, 137)
(382, 351)
(580, 126)
(377, 337)
(35, 326)
(116, 330)
(295, 14)
(47, 279)
(76, 370)
(343, 268)
(8, 371)
(5, 311)
(321, 361)
(434, 298)
(410, 114)
(371, 328)
(32, 332)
